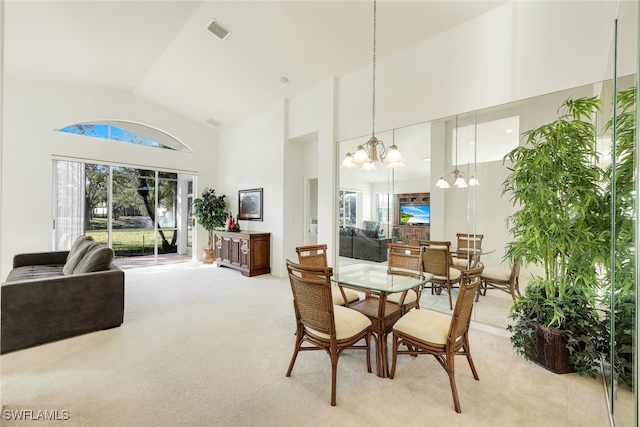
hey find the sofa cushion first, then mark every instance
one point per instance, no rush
(371, 225)
(76, 253)
(97, 258)
(30, 272)
(369, 234)
(346, 231)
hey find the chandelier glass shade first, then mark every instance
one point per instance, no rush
(374, 150)
(456, 178)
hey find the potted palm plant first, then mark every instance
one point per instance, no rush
(210, 211)
(555, 182)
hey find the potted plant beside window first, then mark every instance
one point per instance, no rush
(556, 184)
(210, 211)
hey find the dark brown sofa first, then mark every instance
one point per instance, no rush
(50, 296)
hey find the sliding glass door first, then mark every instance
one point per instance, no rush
(134, 211)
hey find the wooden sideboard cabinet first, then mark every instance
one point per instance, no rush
(247, 251)
(401, 232)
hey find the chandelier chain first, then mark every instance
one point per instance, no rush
(456, 142)
(374, 150)
(373, 113)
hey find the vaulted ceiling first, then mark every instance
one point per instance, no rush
(162, 50)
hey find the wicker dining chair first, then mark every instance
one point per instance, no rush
(401, 258)
(322, 324)
(443, 336)
(412, 239)
(502, 278)
(437, 261)
(466, 241)
(316, 256)
(442, 244)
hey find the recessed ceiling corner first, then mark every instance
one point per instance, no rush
(213, 122)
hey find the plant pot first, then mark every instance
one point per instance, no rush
(548, 348)
(208, 256)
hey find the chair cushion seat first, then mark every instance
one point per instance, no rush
(348, 323)
(395, 297)
(461, 262)
(425, 325)
(337, 295)
(497, 274)
(454, 274)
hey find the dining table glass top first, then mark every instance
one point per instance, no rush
(376, 277)
(472, 251)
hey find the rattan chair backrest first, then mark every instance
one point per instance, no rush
(312, 255)
(436, 244)
(404, 257)
(412, 239)
(436, 260)
(441, 244)
(464, 303)
(469, 241)
(312, 298)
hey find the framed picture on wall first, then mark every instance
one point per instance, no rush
(250, 204)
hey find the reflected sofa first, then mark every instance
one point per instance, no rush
(363, 244)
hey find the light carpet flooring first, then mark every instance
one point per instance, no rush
(206, 346)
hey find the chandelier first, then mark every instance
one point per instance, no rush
(456, 177)
(374, 150)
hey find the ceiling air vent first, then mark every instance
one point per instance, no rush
(218, 30)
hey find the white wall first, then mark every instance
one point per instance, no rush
(32, 112)
(251, 156)
(519, 50)
(270, 151)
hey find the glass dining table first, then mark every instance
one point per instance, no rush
(377, 282)
(472, 255)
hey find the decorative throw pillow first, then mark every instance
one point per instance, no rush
(97, 258)
(79, 241)
(76, 253)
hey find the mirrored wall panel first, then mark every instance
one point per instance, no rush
(451, 184)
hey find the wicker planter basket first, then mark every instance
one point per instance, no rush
(548, 348)
(208, 256)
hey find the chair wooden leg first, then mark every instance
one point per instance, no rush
(334, 372)
(450, 301)
(368, 351)
(467, 352)
(299, 334)
(454, 391)
(394, 356)
(448, 363)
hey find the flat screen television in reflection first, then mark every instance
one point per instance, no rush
(415, 214)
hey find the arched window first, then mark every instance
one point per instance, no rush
(133, 133)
